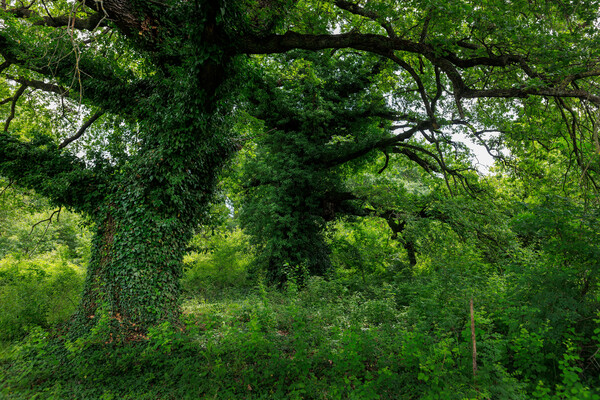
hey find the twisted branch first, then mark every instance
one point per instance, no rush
(13, 105)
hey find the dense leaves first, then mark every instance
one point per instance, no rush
(312, 119)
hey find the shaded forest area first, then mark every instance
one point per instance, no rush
(282, 199)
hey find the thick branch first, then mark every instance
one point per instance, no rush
(447, 61)
(359, 41)
(526, 92)
(40, 85)
(357, 10)
(409, 151)
(392, 141)
(572, 78)
(90, 23)
(121, 12)
(373, 43)
(387, 161)
(387, 142)
(43, 167)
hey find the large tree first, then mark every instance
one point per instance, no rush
(315, 112)
(167, 70)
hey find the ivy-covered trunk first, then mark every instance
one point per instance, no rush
(133, 275)
(150, 209)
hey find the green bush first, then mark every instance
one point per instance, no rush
(223, 263)
(36, 292)
(324, 341)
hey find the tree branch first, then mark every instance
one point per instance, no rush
(60, 176)
(418, 81)
(357, 10)
(101, 87)
(387, 160)
(81, 130)
(4, 65)
(572, 78)
(13, 105)
(445, 59)
(40, 85)
(8, 185)
(526, 92)
(439, 89)
(425, 28)
(387, 142)
(292, 40)
(90, 23)
(49, 220)
(409, 151)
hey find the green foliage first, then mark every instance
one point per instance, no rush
(28, 226)
(389, 336)
(176, 86)
(293, 188)
(222, 263)
(145, 175)
(324, 341)
(40, 291)
(364, 247)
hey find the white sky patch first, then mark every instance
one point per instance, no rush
(229, 205)
(483, 160)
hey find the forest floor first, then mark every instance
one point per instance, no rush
(338, 339)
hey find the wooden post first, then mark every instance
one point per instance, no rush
(473, 339)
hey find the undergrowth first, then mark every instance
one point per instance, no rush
(324, 341)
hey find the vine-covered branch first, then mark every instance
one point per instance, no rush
(41, 166)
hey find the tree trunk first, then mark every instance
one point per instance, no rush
(146, 202)
(409, 246)
(133, 275)
(397, 228)
(150, 210)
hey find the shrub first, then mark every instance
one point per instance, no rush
(223, 264)
(36, 292)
